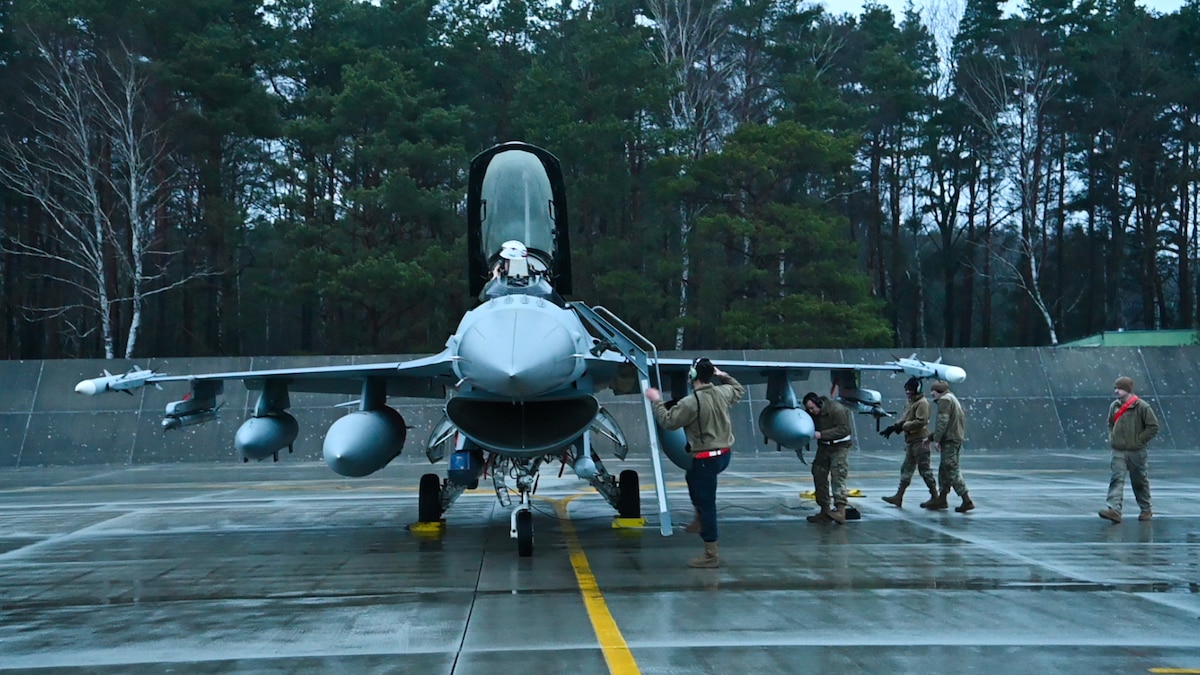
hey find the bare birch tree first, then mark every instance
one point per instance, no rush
(690, 33)
(95, 164)
(1010, 100)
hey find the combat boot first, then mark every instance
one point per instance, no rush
(936, 502)
(822, 517)
(967, 504)
(838, 515)
(898, 498)
(709, 559)
(694, 526)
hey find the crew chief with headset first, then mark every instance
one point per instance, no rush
(705, 419)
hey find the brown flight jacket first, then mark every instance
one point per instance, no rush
(951, 425)
(915, 421)
(704, 414)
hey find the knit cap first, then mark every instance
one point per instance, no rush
(1125, 383)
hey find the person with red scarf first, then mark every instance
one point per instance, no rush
(1131, 425)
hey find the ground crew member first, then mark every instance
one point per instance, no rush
(704, 417)
(1131, 425)
(832, 462)
(915, 425)
(948, 434)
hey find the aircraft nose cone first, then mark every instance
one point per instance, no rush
(86, 387)
(517, 352)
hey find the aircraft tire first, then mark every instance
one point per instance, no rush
(524, 533)
(629, 498)
(429, 499)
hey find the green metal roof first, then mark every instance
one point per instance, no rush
(1138, 338)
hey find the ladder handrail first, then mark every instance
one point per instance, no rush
(635, 347)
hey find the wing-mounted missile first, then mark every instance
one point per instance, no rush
(198, 407)
(271, 429)
(516, 193)
(133, 379)
(863, 401)
(925, 369)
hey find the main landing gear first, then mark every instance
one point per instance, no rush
(435, 496)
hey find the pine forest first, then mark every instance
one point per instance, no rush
(288, 177)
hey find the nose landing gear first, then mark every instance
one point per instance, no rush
(521, 527)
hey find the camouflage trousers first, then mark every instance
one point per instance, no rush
(1134, 463)
(829, 469)
(949, 475)
(916, 458)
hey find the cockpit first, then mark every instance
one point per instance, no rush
(517, 224)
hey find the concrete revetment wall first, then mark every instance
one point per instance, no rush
(1016, 399)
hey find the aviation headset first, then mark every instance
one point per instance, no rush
(694, 373)
(913, 384)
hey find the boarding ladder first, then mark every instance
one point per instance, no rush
(618, 336)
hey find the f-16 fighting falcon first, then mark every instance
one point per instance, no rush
(519, 376)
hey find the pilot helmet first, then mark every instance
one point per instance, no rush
(513, 250)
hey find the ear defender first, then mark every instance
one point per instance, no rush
(692, 371)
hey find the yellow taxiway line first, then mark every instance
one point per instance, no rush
(612, 643)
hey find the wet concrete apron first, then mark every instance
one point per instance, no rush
(287, 568)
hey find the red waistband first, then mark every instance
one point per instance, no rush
(705, 454)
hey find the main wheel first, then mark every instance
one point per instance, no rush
(629, 497)
(429, 499)
(524, 534)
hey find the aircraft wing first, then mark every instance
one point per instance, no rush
(420, 378)
(761, 372)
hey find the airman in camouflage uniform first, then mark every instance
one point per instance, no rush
(832, 462)
(948, 434)
(915, 425)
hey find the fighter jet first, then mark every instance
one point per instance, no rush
(519, 376)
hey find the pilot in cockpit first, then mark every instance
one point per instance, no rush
(513, 262)
(517, 272)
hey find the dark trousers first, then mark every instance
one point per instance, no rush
(702, 488)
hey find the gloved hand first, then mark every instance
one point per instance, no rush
(894, 429)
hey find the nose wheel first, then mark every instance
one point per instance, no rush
(521, 527)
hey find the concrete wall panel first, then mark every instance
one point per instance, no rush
(79, 438)
(1172, 371)
(1083, 422)
(1179, 417)
(1012, 424)
(1091, 371)
(18, 380)
(12, 435)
